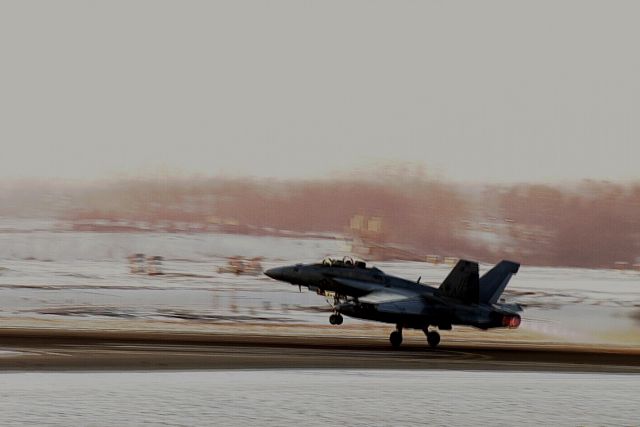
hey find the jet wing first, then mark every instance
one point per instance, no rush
(376, 291)
(358, 286)
(408, 306)
(390, 301)
(382, 296)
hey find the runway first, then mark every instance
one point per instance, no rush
(73, 350)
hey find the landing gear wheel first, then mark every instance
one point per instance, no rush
(433, 338)
(395, 338)
(336, 319)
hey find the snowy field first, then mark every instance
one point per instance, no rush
(319, 398)
(47, 275)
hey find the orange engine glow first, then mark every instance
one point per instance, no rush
(511, 321)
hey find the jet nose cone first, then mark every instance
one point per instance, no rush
(275, 273)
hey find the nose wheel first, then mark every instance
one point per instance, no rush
(433, 338)
(336, 319)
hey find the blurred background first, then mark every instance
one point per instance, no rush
(156, 157)
(402, 213)
(197, 145)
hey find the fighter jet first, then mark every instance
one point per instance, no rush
(368, 293)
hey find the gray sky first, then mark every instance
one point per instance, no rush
(477, 91)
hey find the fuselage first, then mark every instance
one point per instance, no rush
(321, 276)
(422, 307)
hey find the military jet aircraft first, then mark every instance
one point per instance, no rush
(364, 292)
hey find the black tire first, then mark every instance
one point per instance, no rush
(395, 339)
(333, 319)
(339, 319)
(433, 338)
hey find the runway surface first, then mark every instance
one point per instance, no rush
(69, 350)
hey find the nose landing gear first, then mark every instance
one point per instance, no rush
(336, 319)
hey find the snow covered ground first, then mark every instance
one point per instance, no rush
(46, 274)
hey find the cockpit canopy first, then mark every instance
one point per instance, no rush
(346, 262)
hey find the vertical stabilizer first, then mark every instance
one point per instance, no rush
(493, 283)
(462, 283)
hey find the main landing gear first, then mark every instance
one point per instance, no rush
(336, 319)
(433, 337)
(396, 337)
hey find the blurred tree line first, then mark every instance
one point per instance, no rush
(589, 224)
(593, 224)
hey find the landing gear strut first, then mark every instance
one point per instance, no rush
(433, 337)
(336, 319)
(396, 337)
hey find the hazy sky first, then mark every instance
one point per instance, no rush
(475, 90)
